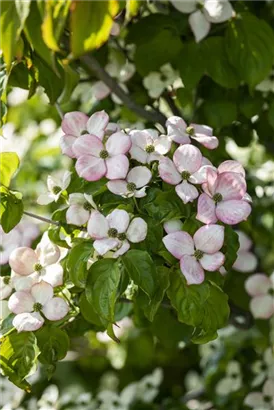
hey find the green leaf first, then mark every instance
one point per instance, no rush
(231, 247)
(141, 269)
(53, 344)
(9, 163)
(91, 22)
(217, 65)
(270, 114)
(23, 9)
(11, 209)
(71, 80)
(132, 7)
(251, 105)
(191, 64)
(203, 306)
(77, 263)
(18, 358)
(89, 314)
(102, 287)
(249, 46)
(151, 307)
(219, 113)
(10, 25)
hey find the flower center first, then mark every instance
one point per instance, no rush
(198, 254)
(190, 130)
(87, 206)
(37, 307)
(217, 198)
(267, 399)
(131, 186)
(56, 190)
(37, 267)
(149, 149)
(6, 280)
(112, 233)
(199, 5)
(1, 248)
(234, 375)
(84, 132)
(103, 154)
(271, 292)
(121, 236)
(185, 175)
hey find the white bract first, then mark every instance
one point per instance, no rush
(116, 231)
(262, 400)
(80, 207)
(263, 368)
(261, 289)
(55, 188)
(31, 306)
(203, 14)
(135, 183)
(156, 82)
(232, 380)
(148, 146)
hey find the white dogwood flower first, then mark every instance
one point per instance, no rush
(80, 207)
(55, 188)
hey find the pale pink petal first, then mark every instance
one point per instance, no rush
(187, 158)
(97, 124)
(98, 225)
(111, 128)
(74, 123)
(140, 176)
(209, 238)
(192, 270)
(5, 288)
(28, 322)
(199, 25)
(123, 249)
(140, 193)
(258, 284)
(244, 240)
(254, 400)
(42, 292)
(204, 130)
(66, 180)
(53, 274)
(233, 212)
(174, 225)
(247, 198)
(231, 166)
(201, 176)
(245, 262)
(168, 171)
(208, 142)
(118, 187)
(262, 307)
(22, 260)
(176, 130)
(212, 262)
(137, 230)
(66, 144)
(230, 185)
(100, 90)
(90, 168)
(162, 144)
(47, 251)
(141, 138)
(45, 199)
(24, 282)
(154, 156)
(55, 309)
(179, 244)
(21, 302)
(186, 192)
(118, 219)
(118, 143)
(268, 388)
(218, 11)
(77, 215)
(139, 154)
(88, 145)
(206, 210)
(117, 167)
(184, 6)
(212, 176)
(102, 246)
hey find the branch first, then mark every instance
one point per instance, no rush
(92, 65)
(41, 218)
(175, 110)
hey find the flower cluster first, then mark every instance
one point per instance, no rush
(129, 161)
(260, 288)
(35, 274)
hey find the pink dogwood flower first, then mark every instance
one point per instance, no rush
(80, 207)
(135, 183)
(261, 289)
(148, 146)
(26, 261)
(224, 199)
(198, 253)
(115, 231)
(186, 169)
(96, 159)
(31, 306)
(179, 132)
(55, 188)
(246, 261)
(76, 124)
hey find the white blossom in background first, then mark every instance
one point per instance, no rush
(11, 396)
(202, 14)
(232, 380)
(267, 85)
(263, 400)
(56, 185)
(246, 260)
(264, 368)
(158, 81)
(260, 288)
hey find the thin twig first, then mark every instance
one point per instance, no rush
(93, 66)
(42, 218)
(175, 110)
